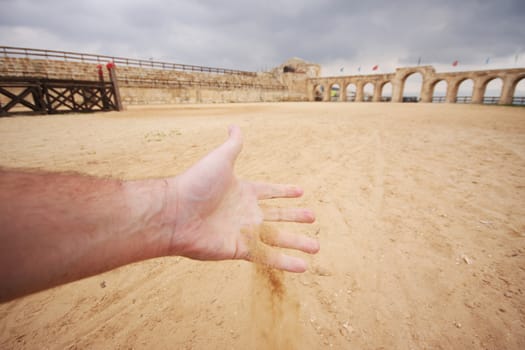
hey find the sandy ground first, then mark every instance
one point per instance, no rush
(421, 219)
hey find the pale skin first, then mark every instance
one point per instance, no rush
(56, 228)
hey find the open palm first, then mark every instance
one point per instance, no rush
(217, 216)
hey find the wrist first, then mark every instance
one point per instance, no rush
(148, 204)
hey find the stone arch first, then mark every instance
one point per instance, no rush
(402, 74)
(368, 91)
(385, 89)
(335, 92)
(464, 90)
(438, 90)
(491, 90)
(409, 72)
(318, 92)
(413, 93)
(351, 92)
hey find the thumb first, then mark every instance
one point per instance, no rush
(234, 142)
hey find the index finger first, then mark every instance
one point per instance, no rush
(268, 191)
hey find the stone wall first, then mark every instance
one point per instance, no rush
(142, 85)
(294, 80)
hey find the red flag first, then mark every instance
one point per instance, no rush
(455, 63)
(375, 67)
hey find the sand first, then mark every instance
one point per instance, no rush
(420, 214)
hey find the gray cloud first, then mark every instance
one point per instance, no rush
(254, 34)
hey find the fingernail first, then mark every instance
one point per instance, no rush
(311, 216)
(316, 246)
(295, 192)
(311, 246)
(299, 266)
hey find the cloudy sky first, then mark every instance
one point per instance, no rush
(258, 35)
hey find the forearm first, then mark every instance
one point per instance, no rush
(57, 228)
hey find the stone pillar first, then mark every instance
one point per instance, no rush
(507, 91)
(342, 91)
(312, 89)
(326, 92)
(397, 90)
(478, 91)
(359, 91)
(426, 92)
(452, 91)
(377, 92)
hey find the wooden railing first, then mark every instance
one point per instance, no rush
(490, 100)
(412, 99)
(463, 99)
(518, 100)
(22, 52)
(52, 96)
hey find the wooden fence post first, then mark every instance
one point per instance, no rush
(114, 82)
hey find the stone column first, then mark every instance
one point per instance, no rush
(359, 86)
(452, 91)
(426, 92)
(397, 90)
(342, 91)
(507, 91)
(311, 91)
(326, 92)
(377, 92)
(478, 91)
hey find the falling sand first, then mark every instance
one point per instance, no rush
(275, 310)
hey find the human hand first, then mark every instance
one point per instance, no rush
(216, 216)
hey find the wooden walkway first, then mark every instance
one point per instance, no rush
(52, 96)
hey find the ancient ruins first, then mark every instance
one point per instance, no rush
(153, 82)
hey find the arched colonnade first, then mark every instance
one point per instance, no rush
(352, 88)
